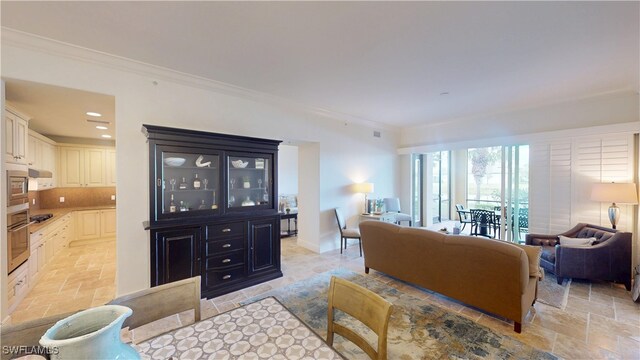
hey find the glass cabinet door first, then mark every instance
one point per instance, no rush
(250, 181)
(189, 181)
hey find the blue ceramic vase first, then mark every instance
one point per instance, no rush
(90, 334)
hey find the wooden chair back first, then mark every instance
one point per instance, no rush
(27, 333)
(368, 307)
(342, 223)
(161, 301)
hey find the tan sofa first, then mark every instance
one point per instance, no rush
(492, 275)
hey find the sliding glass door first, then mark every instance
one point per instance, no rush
(441, 194)
(417, 169)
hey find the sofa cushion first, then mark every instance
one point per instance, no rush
(600, 235)
(549, 254)
(544, 242)
(533, 252)
(576, 242)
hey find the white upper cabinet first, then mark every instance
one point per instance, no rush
(16, 137)
(86, 167)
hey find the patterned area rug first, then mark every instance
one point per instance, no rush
(417, 330)
(552, 294)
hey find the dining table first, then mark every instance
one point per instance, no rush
(264, 329)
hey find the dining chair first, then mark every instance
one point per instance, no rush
(346, 233)
(363, 304)
(464, 215)
(482, 222)
(160, 302)
(392, 205)
(26, 334)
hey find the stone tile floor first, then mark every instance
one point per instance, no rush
(600, 320)
(77, 278)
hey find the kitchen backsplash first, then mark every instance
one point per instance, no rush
(73, 197)
(34, 195)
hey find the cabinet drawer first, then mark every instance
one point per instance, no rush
(217, 247)
(225, 230)
(214, 278)
(224, 261)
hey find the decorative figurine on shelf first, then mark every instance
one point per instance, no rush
(248, 202)
(173, 184)
(202, 205)
(199, 162)
(259, 163)
(232, 200)
(246, 182)
(205, 182)
(232, 181)
(259, 183)
(196, 183)
(184, 206)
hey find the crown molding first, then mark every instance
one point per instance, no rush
(53, 47)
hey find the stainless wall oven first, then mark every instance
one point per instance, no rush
(17, 188)
(17, 236)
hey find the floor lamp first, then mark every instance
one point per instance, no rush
(621, 193)
(365, 188)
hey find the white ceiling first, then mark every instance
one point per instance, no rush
(386, 62)
(61, 111)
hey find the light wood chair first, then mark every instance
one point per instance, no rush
(161, 301)
(345, 232)
(368, 307)
(27, 333)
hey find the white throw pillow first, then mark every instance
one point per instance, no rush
(576, 242)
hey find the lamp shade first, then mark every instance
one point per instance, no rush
(622, 193)
(366, 188)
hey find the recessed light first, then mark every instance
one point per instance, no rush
(101, 127)
(106, 136)
(444, 93)
(91, 113)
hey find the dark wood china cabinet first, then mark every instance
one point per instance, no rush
(213, 209)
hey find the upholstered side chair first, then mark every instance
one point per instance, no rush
(346, 233)
(392, 205)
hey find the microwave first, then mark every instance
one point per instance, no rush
(17, 187)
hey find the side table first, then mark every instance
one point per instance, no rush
(288, 216)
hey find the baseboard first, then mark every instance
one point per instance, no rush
(77, 243)
(308, 245)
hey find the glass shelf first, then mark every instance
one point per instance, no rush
(181, 169)
(251, 185)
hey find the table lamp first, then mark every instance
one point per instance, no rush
(365, 188)
(622, 193)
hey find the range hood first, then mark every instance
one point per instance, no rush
(35, 173)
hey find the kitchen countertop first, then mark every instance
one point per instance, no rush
(58, 213)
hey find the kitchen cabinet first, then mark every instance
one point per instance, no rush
(108, 223)
(17, 285)
(213, 194)
(48, 242)
(95, 224)
(41, 155)
(111, 168)
(16, 136)
(87, 224)
(86, 166)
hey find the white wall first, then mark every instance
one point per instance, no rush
(615, 108)
(343, 152)
(287, 169)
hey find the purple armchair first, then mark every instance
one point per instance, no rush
(609, 258)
